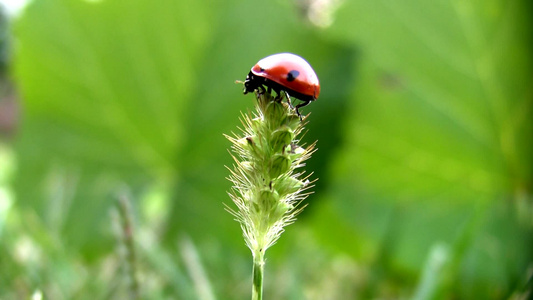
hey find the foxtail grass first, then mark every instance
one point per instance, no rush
(269, 183)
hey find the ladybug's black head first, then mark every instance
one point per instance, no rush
(250, 84)
(254, 82)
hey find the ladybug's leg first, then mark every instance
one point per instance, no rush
(297, 106)
(306, 102)
(289, 100)
(278, 95)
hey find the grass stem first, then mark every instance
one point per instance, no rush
(126, 218)
(257, 275)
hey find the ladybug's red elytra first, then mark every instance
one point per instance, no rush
(284, 72)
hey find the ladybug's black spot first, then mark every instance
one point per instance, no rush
(261, 70)
(292, 75)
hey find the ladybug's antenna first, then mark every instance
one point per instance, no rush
(239, 81)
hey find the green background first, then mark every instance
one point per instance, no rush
(424, 149)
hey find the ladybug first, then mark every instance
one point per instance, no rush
(284, 72)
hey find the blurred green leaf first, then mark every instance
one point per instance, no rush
(436, 112)
(440, 129)
(104, 88)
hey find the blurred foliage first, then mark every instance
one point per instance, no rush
(423, 126)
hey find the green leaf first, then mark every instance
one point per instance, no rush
(105, 87)
(439, 128)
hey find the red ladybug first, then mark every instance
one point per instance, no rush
(284, 72)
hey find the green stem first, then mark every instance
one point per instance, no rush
(257, 275)
(126, 216)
